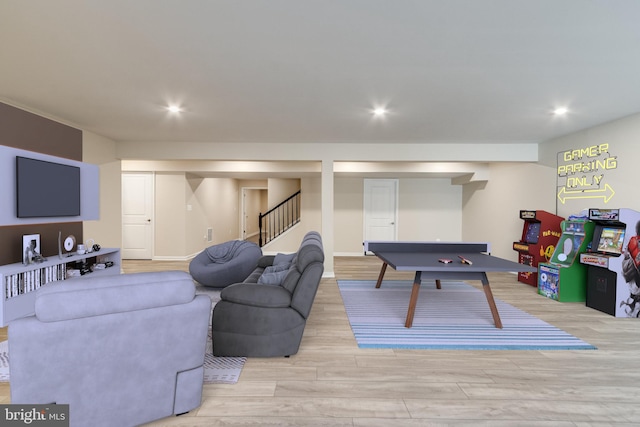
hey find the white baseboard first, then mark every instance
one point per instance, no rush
(174, 258)
(348, 254)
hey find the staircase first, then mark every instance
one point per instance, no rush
(279, 219)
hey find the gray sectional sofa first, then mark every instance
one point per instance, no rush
(265, 315)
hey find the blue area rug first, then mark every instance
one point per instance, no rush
(456, 317)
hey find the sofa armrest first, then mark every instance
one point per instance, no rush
(257, 295)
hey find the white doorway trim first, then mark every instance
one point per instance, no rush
(243, 208)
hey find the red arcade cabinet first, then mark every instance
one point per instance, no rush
(540, 235)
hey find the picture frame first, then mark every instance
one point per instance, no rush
(30, 248)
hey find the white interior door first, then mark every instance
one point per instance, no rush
(137, 215)
(243, 215)
(250, 209)
(380, 209)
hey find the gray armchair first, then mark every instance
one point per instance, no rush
(120, 350)
(263, 318)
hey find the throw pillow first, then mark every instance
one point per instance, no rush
(283, 258)
(276, 268)
(272, 276)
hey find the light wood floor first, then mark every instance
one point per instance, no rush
(331, 382)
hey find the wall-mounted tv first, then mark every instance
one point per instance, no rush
(611, 240)
(46, 189)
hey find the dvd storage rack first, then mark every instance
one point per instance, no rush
(19, 282)
(29, 281)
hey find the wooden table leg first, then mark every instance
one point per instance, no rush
(492, 302)
(413, 300)
(381, 275)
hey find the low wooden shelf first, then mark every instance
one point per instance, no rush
(19, 282)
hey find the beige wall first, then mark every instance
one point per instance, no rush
(491, 209)
(280, 189)
(196, 214)
(186, 206)
(170, 215)
(214, 204)
(428, 209)
(348, 203)
(107, 231)
(225, 218)
(622, 141)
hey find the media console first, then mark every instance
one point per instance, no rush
(19, 282)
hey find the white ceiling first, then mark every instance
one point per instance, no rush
(298, 70)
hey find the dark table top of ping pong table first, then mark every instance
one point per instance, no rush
(424, 258)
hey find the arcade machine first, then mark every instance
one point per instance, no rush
(563, 278)
(539, 237)
(613, 269)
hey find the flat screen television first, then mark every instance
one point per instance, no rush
(532, 233)
(611, 240)
(46, 189)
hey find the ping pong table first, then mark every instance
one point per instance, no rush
(424, 258)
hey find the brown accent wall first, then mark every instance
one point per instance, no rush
(11, 238)
(28, 131)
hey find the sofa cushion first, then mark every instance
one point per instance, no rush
(265, 261)
(256, 295)
(254, 276)
(273, 275)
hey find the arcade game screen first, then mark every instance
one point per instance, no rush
(611, 240)
(533, 232)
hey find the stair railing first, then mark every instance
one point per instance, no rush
(279, 219)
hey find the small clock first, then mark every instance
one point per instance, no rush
(69, 243)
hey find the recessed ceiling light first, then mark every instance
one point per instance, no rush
(380, 111)
(560, 111)
(174, 109)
